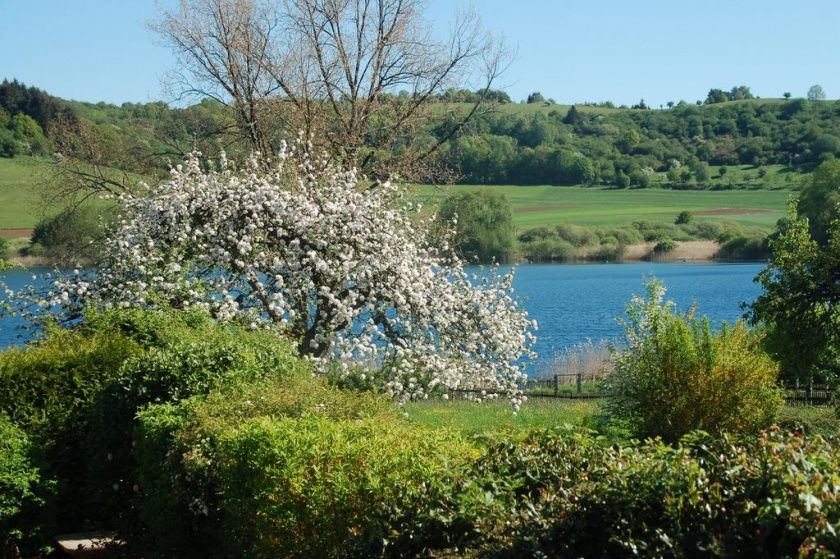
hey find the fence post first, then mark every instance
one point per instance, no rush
(556, 385)
(579, 381)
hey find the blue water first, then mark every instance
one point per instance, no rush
(573, 302)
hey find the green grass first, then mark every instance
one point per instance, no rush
(549, 205)
(19, 198)
(472, 418)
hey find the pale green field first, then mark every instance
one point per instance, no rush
(547, 205)
(19, 200)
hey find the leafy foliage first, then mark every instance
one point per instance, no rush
(675, 375)
(19, 481)
(800, 303)
(565, 494)
(76, 394)
(293, 465)
(483, 224)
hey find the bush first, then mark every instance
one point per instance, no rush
(684, 218)
(564, 494)
(72, 233)
(485, 230)
(576, 235)
(675, 375)
(665, 246)
(19, 481)
(76, 394)
(294, 468)
(4, 248)
(744, 248)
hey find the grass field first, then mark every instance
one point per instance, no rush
(548, 205)
(470, 418)
(19, 199)
(532, 205)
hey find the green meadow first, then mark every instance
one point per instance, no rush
(548, 205)
(19, 198)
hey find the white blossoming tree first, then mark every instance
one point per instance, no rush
(301, 243)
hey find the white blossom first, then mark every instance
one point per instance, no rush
(300, 242)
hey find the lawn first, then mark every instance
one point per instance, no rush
(470, 418)
(548, 205)
(473, 418)
(19, 198)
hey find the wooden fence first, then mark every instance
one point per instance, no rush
(572, 386)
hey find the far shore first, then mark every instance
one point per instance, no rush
(686, 251)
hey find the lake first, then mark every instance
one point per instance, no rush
(575, 302)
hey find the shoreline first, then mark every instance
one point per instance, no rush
(686, 251)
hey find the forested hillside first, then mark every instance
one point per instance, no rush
(540, 142)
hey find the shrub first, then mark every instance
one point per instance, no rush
(72, 233)
(665, 246)
(294, 468)
(77, 391)
(4, 248)
(576, 235)
(676, 375)
(19, 480)
(744, 248)
(485, 230)
(684, 218)
(564, 494)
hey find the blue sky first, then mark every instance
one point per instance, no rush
(572, 51)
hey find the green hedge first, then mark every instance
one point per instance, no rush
(288, 468)
(76, 394)
(19, 483)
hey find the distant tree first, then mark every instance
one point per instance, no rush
(786, 95)
(717, 96)
(816, 93)
(484, 230)
(741, 92)
(722, 171)
(535, 97)
(622, 179)
(684, 217)
(640, 105)
(670, 104)
(572, 117)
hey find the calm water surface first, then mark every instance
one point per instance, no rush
(575, 302)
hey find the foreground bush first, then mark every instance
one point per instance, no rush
(676, 375)
(76, 394)
(563, 494)
(288, 468)
(18, 482)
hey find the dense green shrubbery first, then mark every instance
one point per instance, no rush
(744, 248)
(676, 375)
(70, 234)
(19, 481)
(665, 246)
(294, 468)
(76, 393)
(565, 494)
(4, 248)
(484, 226)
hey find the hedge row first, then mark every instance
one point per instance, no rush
(200, 440)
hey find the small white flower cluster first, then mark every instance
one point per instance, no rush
(299, 242)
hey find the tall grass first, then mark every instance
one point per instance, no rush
(591, 360)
